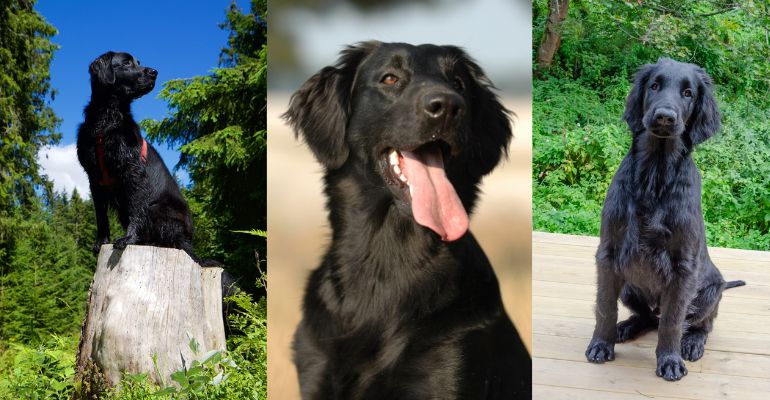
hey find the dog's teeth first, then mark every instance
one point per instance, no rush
(393, 157)
(402, 177)
(396, 169)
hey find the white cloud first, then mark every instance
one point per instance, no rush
(61, 165)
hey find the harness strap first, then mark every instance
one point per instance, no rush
(143, 155)
(106, 179)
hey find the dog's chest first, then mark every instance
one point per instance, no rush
(108, 151)
(648, 247)
(420, 366)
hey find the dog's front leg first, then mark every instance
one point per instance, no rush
(102, 222)
(673, 307)
(137, 218)
(602, 346)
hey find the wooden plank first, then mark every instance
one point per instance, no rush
(546, 392)
(539, 238)
(745, 295)
(638, 354)
(560, 238)
(723, 261)
(572, 269)
(720, 339)
(753, 319)
(631, 380)
(641, 354)
(736, 364)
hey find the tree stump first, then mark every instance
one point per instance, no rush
(147, 301)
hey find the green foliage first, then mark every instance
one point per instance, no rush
(606, 40)
(43, 371)
(219, 121)
(45, 277)
(579, 141)
(579, 138)
(27, 121)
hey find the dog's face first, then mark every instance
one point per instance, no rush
(671, 99)
(122, 75)
(420, 121)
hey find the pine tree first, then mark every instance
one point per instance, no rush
(219, 120)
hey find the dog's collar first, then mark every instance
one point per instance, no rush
(106, 179)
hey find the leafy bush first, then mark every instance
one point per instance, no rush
(38, 372)
(579, 138)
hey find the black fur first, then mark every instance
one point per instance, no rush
(147, 199)
(652, 252)
(394, 312)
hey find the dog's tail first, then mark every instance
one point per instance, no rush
(733, 284)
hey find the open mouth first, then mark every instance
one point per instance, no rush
(420, 177)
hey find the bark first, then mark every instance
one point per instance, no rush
(557, 13)
(147, 301)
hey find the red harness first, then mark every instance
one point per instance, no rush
(106, 179)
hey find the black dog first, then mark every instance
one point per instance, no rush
(124, 171)
(652, 253)
(405, 304)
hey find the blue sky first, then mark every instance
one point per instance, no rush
(180, 39)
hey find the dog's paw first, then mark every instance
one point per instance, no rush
(693, 346)
(632, 328)
(121, 243)
(600, 351)
(98, 245)
(670, 367)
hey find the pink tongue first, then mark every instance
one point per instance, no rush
(435, 203)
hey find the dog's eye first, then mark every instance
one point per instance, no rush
(459, 85)
(654, 86)
(687, 93)
(127, 62)
(389, 79)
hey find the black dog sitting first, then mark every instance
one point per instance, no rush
(124, 171)
(652, 253)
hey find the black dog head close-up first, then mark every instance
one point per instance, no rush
(671, 99)
(421, 122)
(122, 75)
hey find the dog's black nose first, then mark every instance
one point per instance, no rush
(443, 105)
(665, 117)
(153, 73)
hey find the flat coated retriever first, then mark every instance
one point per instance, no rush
(652, 253)
(124, 171)
(405, 304)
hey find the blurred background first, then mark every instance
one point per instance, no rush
(305, 36)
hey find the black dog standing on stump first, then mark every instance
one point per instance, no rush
(405, 304)
(124, 171)
(652, 252)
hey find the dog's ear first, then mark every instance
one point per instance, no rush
(705, 119)
(634, 113)
(320, 109)
(101, 70)
(491, 121)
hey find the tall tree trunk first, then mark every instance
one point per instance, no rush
(557, 13)
(147, 302)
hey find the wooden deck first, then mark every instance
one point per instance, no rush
(736, 364)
